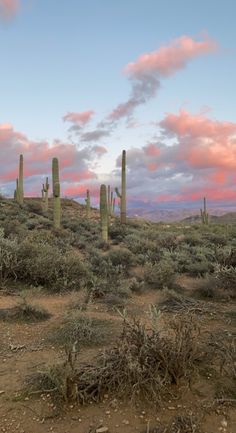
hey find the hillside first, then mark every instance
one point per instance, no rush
(134, 335)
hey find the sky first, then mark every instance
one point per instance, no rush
(84, 80)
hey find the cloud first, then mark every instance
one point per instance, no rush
(79, 119)
(8, 8)
(95, 135)
(201, 161)
(145, 74)
(75, 163)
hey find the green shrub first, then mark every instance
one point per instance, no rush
(9, 261)
(160, 275)
(121, 257)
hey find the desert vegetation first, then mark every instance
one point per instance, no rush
(117, 321)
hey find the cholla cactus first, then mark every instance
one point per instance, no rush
(204, 213)
(104, 212)
(20, 187)
(87, 201)
(56, 194)
(45, 190)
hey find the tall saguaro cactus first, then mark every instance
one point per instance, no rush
(16, 192)
(87, 201)
(122, 196)
(20, 194)
(104, 212)
(56, 194)
(45, 190)
(204, 213)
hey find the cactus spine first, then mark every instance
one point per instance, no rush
(104, 212)
(45, 190)
(56, 194)
(204, 213)
(122, 196)
(20, 193)
(87, 201)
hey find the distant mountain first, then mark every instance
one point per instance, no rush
(188, 215)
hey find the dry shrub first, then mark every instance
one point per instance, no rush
(179, 424)
(173, 302)
(142, 364)
(83, 330)
(25, 312)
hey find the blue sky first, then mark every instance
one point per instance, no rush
(61, 56)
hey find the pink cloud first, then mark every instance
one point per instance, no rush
(184, 124)
(75, 163)
(79, 119)
(146, 72)
(168, 59)
(8, 8)
(152, 150)
(203, 143)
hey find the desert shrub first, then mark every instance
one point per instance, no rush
(117, 231)
(34, 207)
(121, 257)
(136, 285)
(82, 330)
(173, 302)
(226, 278)
(160, 275)
(142, 363)
(167, 240)
(199, 268)
(25, 312)
(44, 265)
(218, 239)
(99, 264)
(13, 227)
(9, 261)
(193, 239)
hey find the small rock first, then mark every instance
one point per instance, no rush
(102, 430)
(2, 392)
(125, 421)
(224, 423)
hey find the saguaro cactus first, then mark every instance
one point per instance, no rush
(56, 194)
(87, 201)
(204, 213)
(122, 196)
(20, 195)
(45, 190)
(16, 192)
(104, 212)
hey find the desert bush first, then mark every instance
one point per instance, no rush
(179, 303)
(9, 260)
(82, 330)
(121, 257)
(142, 363)
(45, 265)
(117, 231)
(226, 278)
(160, 275)
(25, 312)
